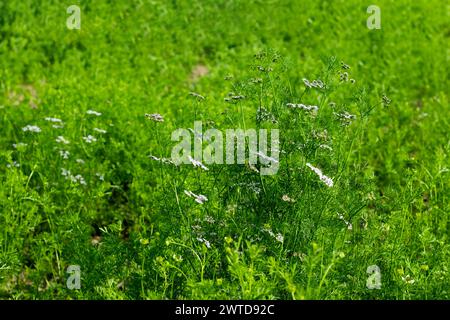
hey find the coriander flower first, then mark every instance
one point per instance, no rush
(19, 145)
(13, 164)
(286, 198)
(155, 117)
(209, 219)
(64, 154)
(279, 237)
(163, 160)
(314, 84)
(56, 120)
(61, 139)
(89, 139)
(197, 163)
(325, 146)
(386, 101)
(80, 179)
(95, 113)
(198, 96)
(349, 225)
(328, 181)
(408, 279)
(302, 106)
(206, 242)
(100, 130)
(31, 128)
(266, 158)
(198, 198)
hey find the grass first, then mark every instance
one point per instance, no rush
(125, 219)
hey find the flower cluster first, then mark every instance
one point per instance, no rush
(197, 95)
(349, 225)
(95, 113)
(75, 179)
(345, 117)
(199, 198)
(163, 160)
(263, 115)
(197, 163)
(314, 84)
(61, 139)
(31, 128)
(302, 106)
(278, 237)
(154, 117)
(90, 139)
(328, 181)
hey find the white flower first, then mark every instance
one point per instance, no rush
(90, 139)
(286, 198)
(345, 115)
(408, 279)
(269, 231)
(80, 179)
(198, 198)
(61, 139)
(197, 163)
(317, 84)
(206, 242)
(307, 83)
(325, 146)
(199, 96)
(349, 225)
(155, 117)
(328, 181)
(100, 176)
(279, 237)
(57, 126)
(95, 113)
(75, 179)
(19, 145)
(31, 128)
(64, 154)
(302, 106)
(267, 158)
(314, 84)
(163, 160)
(100, 130)
(13, 164)
(80, 161)
(56, 120)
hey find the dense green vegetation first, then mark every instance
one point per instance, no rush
(84, 191)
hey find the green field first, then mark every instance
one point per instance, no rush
(81, 184)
